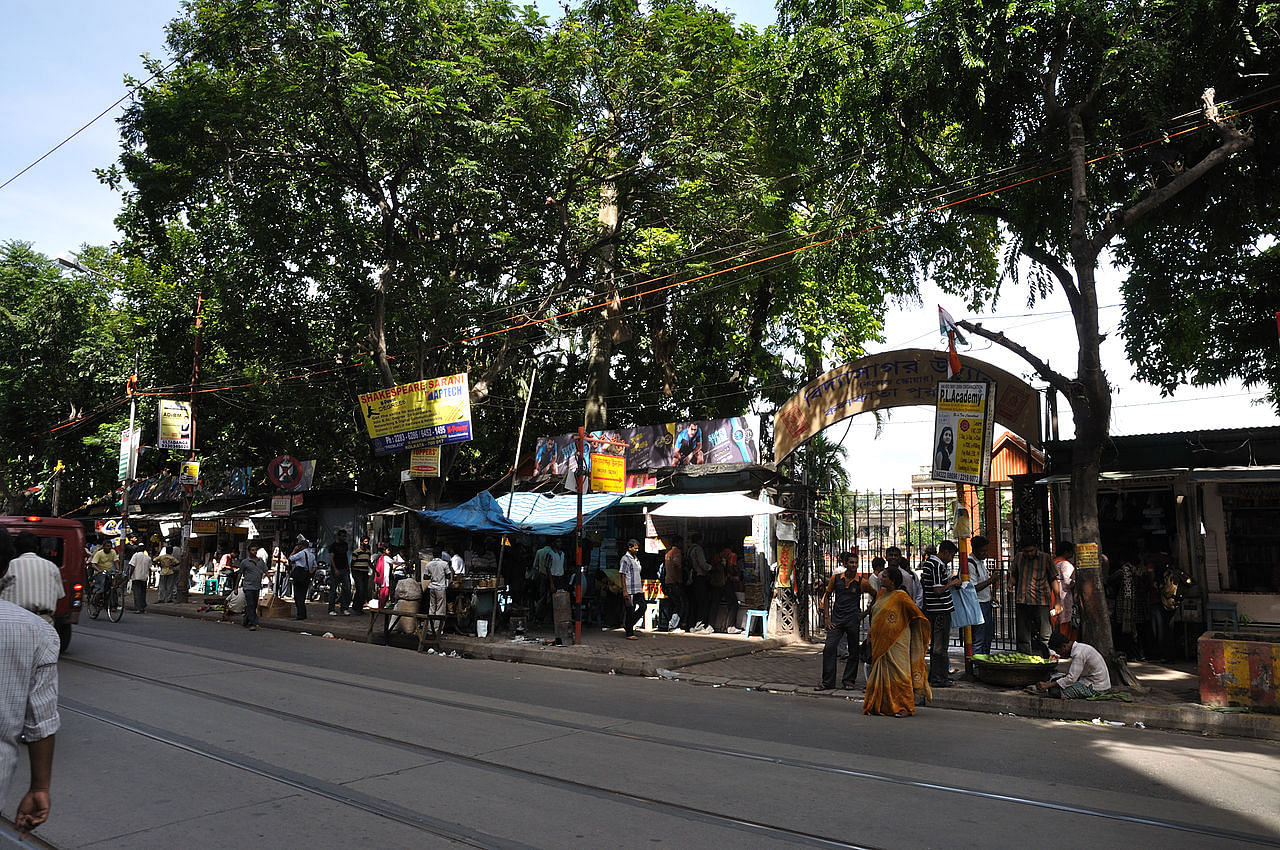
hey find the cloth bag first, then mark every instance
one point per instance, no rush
(965, 608)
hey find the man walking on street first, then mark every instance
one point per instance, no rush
(302, 565)
(339, 576)
(252, 569)
(28, 700)
(140, 565)
(361, 562)
(937, 581)
(632, 588)
(1035, 586)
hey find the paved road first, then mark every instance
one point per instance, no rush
(181, 733)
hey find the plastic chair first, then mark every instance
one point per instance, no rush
(763, 616)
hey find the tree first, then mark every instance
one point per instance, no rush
(60, 363)
(1083, 97)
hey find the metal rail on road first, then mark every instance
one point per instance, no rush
(9, 837)
(529, 717)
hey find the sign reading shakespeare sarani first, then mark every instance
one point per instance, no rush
(426, 413)
(897, 379)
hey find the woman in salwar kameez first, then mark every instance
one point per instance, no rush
(899, 638)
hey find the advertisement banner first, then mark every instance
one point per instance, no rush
(434, 412)
(424, 463)
(608, 473)
(649, 447)
(189, 473)
(175, 425)
(281, 505)
(964, 423)
(128, 461)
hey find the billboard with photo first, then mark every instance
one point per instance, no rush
(690, 443)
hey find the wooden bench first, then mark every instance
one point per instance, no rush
(420, 630)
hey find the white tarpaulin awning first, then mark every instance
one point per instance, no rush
(716, 504)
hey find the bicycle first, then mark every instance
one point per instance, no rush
(108, 592)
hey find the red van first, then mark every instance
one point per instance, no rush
(61, 541)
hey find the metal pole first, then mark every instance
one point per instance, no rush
(577, 539)
(131, 463)
(502, 550)
(185, 585)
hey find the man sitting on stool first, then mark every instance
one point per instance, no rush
(1087, 675)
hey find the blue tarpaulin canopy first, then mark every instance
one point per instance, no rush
(541, 513)
(527, 513)
(481, 513)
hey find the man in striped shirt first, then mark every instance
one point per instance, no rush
(28, 701)
(37, 582)
(936, 579)
(1035, 586)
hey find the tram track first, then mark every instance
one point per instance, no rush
(648, 803)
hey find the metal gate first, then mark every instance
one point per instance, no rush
(914, 520)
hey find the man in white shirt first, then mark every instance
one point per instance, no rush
(37, 583)
(1087, 676)
(140, 575)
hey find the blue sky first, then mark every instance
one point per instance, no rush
(64, 61)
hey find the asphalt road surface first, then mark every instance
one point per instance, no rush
(185, 734)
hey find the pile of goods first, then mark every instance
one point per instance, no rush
(1012, 669)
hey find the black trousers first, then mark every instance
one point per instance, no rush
(830, 648)
(634, 613)
(339, 589)
(139, 595)
(251, 607)
(301, 584)
(939, 639)
(361, 593)
(701, 600)
(674, 604)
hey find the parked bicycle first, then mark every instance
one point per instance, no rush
(108, 592)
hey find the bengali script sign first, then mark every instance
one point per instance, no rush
(900, 378)
(427, 413)
(608, 473)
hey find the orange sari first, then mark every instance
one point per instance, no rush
(899, 638)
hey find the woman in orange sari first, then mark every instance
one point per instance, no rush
(899, 637)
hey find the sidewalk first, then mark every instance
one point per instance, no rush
(1169, 699)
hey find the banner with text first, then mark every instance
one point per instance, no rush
(175, 425)
(964, 424)
(434, 412)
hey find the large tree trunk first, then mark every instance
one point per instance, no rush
(610, 330)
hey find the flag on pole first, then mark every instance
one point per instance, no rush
(947, 326)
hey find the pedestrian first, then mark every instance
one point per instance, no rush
(910, 581)
(984, 583)
(899, 635)
(302, 566)
(140, 565)
(844, 592)
(436, 575)
(35, 582)
(673, 585)
(1035, 586)
(1062, 620)
(361, 563)
(938, 581)
(723, 577)
(252, 570)
(700, 569)
(28, 700)
(339, 575)
(168, 567)
(632, 589)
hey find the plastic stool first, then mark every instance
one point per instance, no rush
(764, 622)
(1227, 609)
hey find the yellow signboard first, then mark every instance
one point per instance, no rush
(189, 473)
(1086, 556)
(424, 463)
(964, 424)
(175, 425)
(608, 473)
(433, 412)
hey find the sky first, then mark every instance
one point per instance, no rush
(62, 62)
